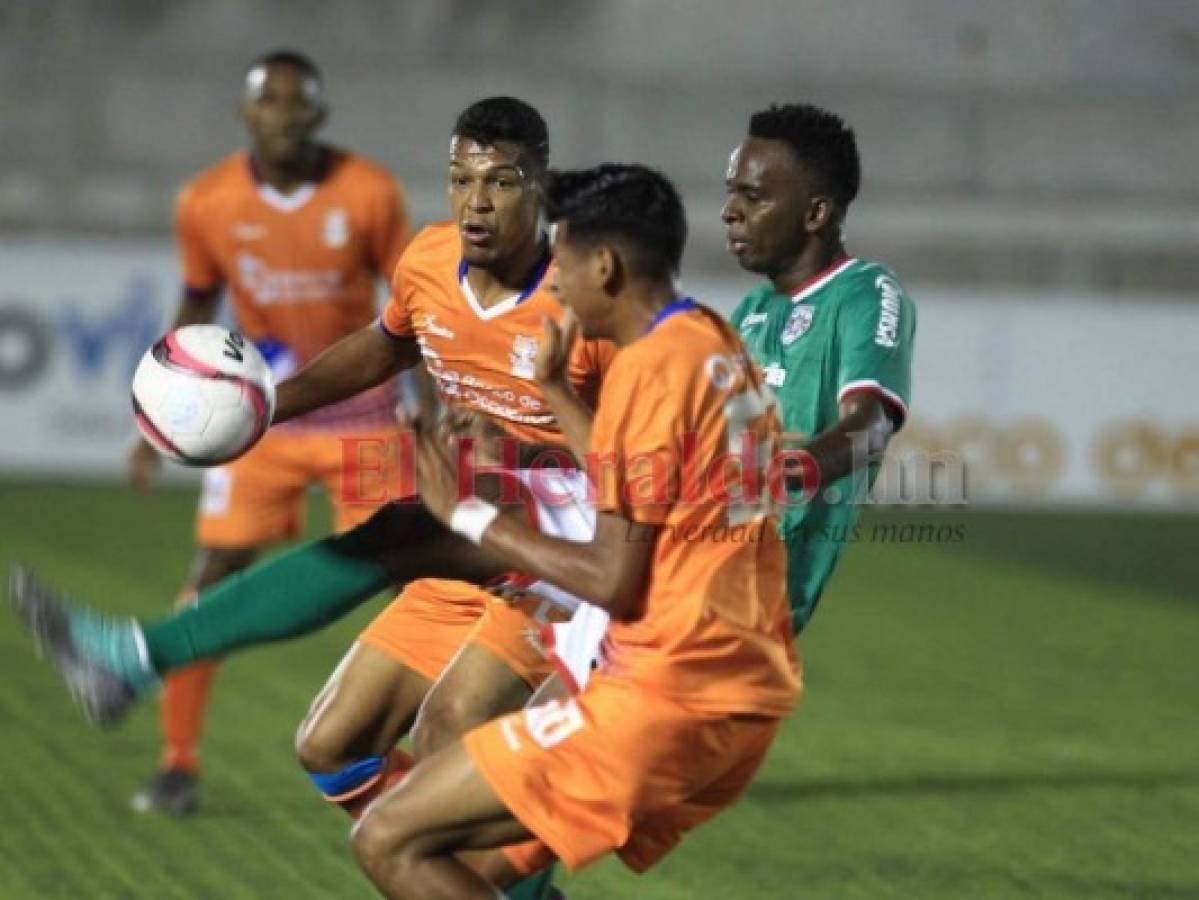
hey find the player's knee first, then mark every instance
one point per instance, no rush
(380, 842)
(320, 745)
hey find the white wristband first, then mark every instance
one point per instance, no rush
(471, 518)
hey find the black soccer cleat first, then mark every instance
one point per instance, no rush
(70, 637)
(175, 792)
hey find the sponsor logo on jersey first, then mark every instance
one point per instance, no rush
(336, 232)
(427, 322)
(797, 325)
(753, 319)
(887, 333)
(523, 356)
(268, 285)
(243, 231)
(775, 375)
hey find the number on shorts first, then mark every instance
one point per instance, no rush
(553, 722)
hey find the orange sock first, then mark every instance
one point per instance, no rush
(399, 764)
(182, 710)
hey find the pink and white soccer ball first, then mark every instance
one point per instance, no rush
(203, 395)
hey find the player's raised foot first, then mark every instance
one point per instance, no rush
(175, 792)
(99, 657)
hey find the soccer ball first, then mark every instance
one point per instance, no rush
(203, 395)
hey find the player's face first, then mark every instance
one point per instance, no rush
(578, 282)
(767, 208)
(495, 199)
(282, 109)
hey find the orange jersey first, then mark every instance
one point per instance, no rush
(483, 359)
(300, 269)
(713, 630)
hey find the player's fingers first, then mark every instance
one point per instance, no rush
(570, 329)
(553, 338)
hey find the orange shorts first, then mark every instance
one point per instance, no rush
(259, 498)
(426, 624)
(512, 631)
(616, 768)
(430, 620)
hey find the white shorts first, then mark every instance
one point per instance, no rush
(564, 510)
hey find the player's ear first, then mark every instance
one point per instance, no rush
(821, 211)
(321, 117)
(608, 267)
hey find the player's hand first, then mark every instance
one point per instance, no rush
(436, 478)
(553, 356)
(144, 465)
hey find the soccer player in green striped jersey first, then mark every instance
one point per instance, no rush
(833, 333)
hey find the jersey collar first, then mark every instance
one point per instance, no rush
(286, 203)
(820, 279)
(683, 304)
(507, 303)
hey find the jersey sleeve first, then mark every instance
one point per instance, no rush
(635, 460)
(199, 266)
(396, 319)
(391, 229)
(876, 327)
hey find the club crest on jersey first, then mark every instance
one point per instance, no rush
(524, 356)
(797, 325)
(336, 232)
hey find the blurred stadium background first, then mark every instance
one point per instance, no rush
(1002, 694)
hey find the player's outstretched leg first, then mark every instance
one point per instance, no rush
(109, 662)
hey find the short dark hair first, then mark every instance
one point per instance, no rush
(819, 139)
(286, 57)
(632, 205)
(510, 120)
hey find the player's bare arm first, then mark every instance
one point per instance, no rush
(610, 571)
(361, 360)
(858, 439)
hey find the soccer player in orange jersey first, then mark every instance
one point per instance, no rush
(698, 668)
(296, 233)
(479, 338)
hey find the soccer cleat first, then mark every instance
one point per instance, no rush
(175, 792)
(97, 656)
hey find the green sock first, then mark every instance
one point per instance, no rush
(292, 594)
(535, 887)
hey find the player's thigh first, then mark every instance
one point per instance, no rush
(410, 543)
(368, 703)
(254, 500)
(478, 686)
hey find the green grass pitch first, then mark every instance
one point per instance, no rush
(1011, 714)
